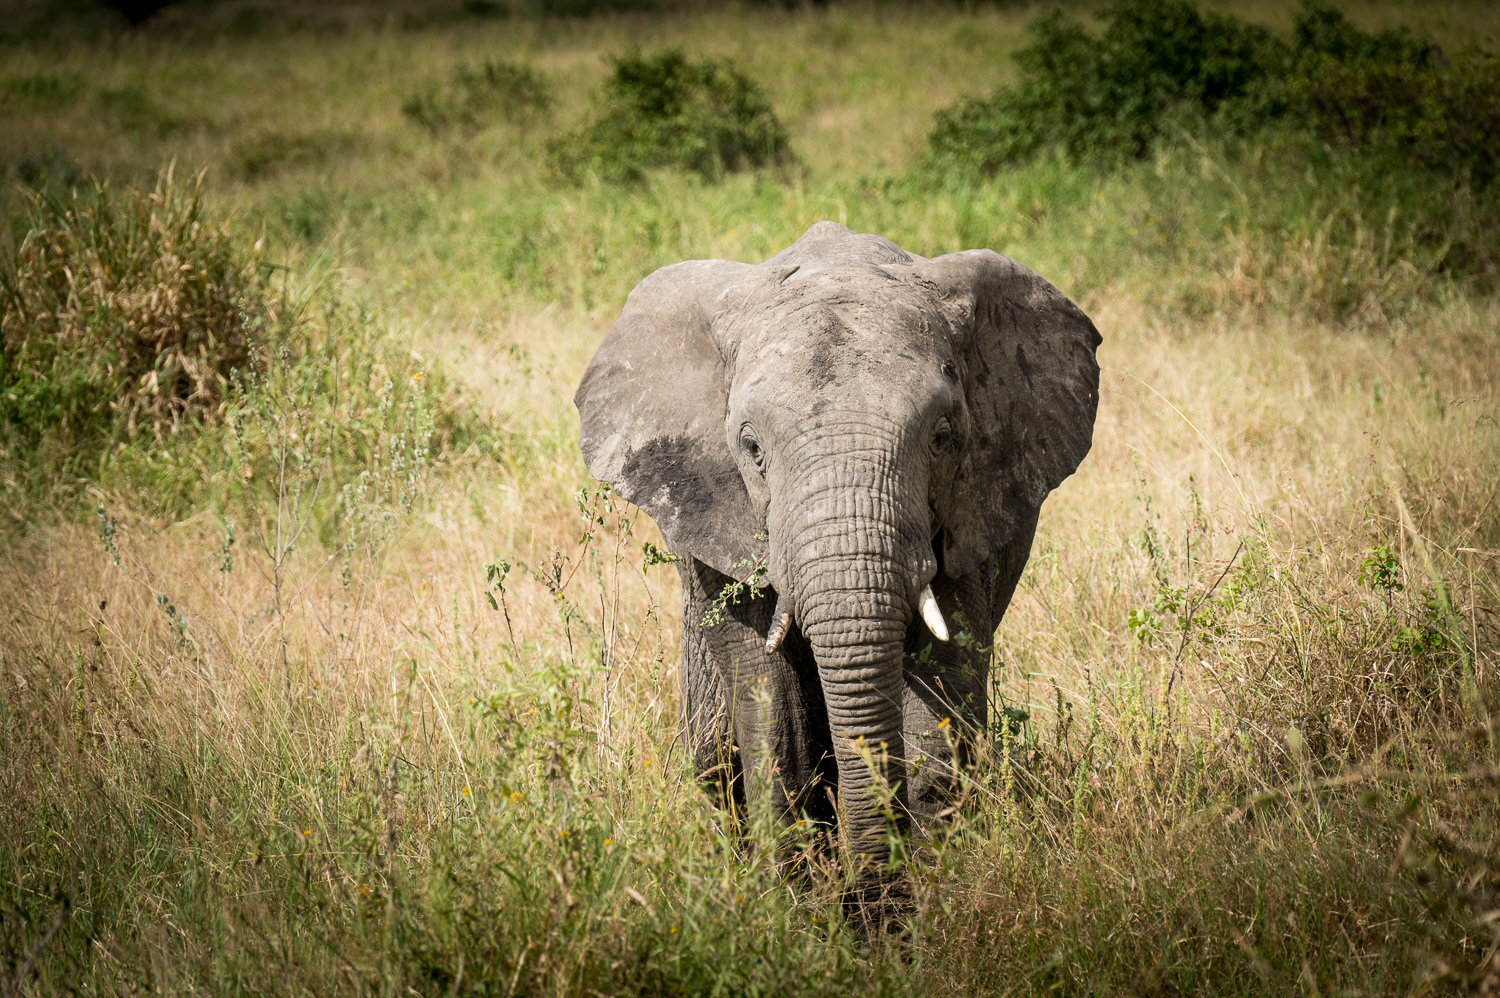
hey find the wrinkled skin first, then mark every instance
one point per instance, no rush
(862, 423)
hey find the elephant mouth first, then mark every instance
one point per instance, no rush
(927, 607)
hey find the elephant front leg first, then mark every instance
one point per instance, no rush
(754, 722)
(946, 706)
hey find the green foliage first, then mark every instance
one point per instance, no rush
(1398, 99)
(1426, 634)
(1172, 603)
(705, 117)
(476, 97)
(748, 587)
(654, 555)
(326, 444)
(1111, 97)
(143, 345)
(132, 110)
(1380, 570)
(1162, 65)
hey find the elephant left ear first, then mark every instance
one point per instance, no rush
(1032, 384)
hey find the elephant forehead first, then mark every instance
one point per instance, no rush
(893, 353)
(833, 338)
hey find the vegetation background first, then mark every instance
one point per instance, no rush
(325, 668)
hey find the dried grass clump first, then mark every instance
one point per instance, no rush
(126, 308)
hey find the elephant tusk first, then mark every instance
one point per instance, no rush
(931, 615)
(781, 622)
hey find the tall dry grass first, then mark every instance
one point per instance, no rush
(390, 784)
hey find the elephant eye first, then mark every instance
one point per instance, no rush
(942, 435)
(750, 446)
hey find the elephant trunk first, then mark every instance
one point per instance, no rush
(860, 664)
(852, 558)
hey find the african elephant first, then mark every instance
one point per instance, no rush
(867, 435)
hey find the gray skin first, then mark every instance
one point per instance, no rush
(861, 423)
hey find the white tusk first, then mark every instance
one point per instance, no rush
(931, 615)
(781, 622)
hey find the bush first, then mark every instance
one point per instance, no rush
(479, 97)
(1400, 100)
(142, 347)
(1161, 64)
(1113, 96)
(705, 117)
(123, 310)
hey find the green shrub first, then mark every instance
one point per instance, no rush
(476, 98)
(131, 110)
(705, 117)
(1113, 96)
(1161, 66)
(1402, 102)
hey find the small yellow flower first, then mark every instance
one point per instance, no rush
(672, 929)
(466, 791)
(609, 842)
(944, 722)
(515, 797)
(307, 831)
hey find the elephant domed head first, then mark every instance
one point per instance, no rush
(857, 420)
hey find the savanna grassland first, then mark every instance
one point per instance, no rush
(326, 668)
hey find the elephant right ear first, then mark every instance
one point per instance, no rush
(652, 405)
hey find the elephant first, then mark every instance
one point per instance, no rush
(863, 437)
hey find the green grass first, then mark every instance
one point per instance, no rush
(263, 731)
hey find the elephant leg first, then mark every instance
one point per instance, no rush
(756, 722)
(703, 708)
(946, 703)
(944, 697)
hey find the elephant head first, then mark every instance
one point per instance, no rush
(855, 419)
